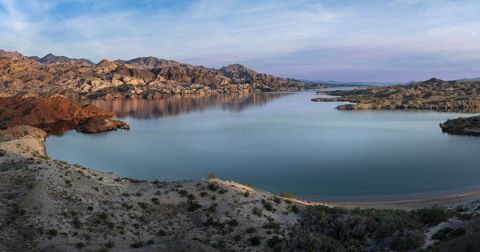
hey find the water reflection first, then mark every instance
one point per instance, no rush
(176, 105)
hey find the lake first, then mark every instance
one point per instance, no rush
(281, 142)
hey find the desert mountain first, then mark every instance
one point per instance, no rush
(140, 77)
(51, 59)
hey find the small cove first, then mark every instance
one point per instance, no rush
(281, 143)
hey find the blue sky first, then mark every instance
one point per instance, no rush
(351, 40)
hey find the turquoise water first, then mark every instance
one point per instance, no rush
(281, 143)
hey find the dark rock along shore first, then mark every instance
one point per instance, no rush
(433, 94)
(462, 126)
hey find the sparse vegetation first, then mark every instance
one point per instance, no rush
(212, 175)
(335, 229)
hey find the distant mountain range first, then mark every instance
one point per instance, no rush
(139, 77)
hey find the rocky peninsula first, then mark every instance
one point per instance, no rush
(433, 94)
(55, 114)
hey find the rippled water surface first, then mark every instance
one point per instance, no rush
(281, 143)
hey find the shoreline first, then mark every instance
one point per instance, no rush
(64, 201)
(447, 200)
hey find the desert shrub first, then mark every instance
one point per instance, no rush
(287, 195)
(193, 206)
(268, 205)
(110, 244)
(294, 208)
(272, 225)
(255, 240)
(203, 194)
(2, 152)
(275, 243)
(257, 211)
(408, 240)
(324, 228)
(183, 193)
(213, 186)
(233, 223)
(448, 233)
(138, 244)
(52, 233)
(143, 205)
(432, 215)
(127, 206)
(80, 245)
(246, 194)
(212, 175)
(76, 223)
(250, 230)
(155, 201)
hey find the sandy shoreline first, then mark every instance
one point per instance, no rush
(448, 199)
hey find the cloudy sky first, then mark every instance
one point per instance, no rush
(351, 40)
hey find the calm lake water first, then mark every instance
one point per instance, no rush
(281, 143)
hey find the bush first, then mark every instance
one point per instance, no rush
(323, 228)
(268, 206)
(294, 208)
(433, 215)
(193, 206)
(2, 153)
(257, 211)
(272, 225)
(110, 244)
(287, 195)
(448, 233)
(212, 175)
(137, 244)
(408, 240)
(274, 242)
(212, 186)
(155, 201)
(80, 245)
(255, 240)
(76, 223)
(52, 233)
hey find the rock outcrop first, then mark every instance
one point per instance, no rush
(53, 114)
(96, 125)
(433, 94)
(462, 126)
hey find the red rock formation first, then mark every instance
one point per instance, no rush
(53, 114)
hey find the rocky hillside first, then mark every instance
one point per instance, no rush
(433, 94)
(142, 77)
